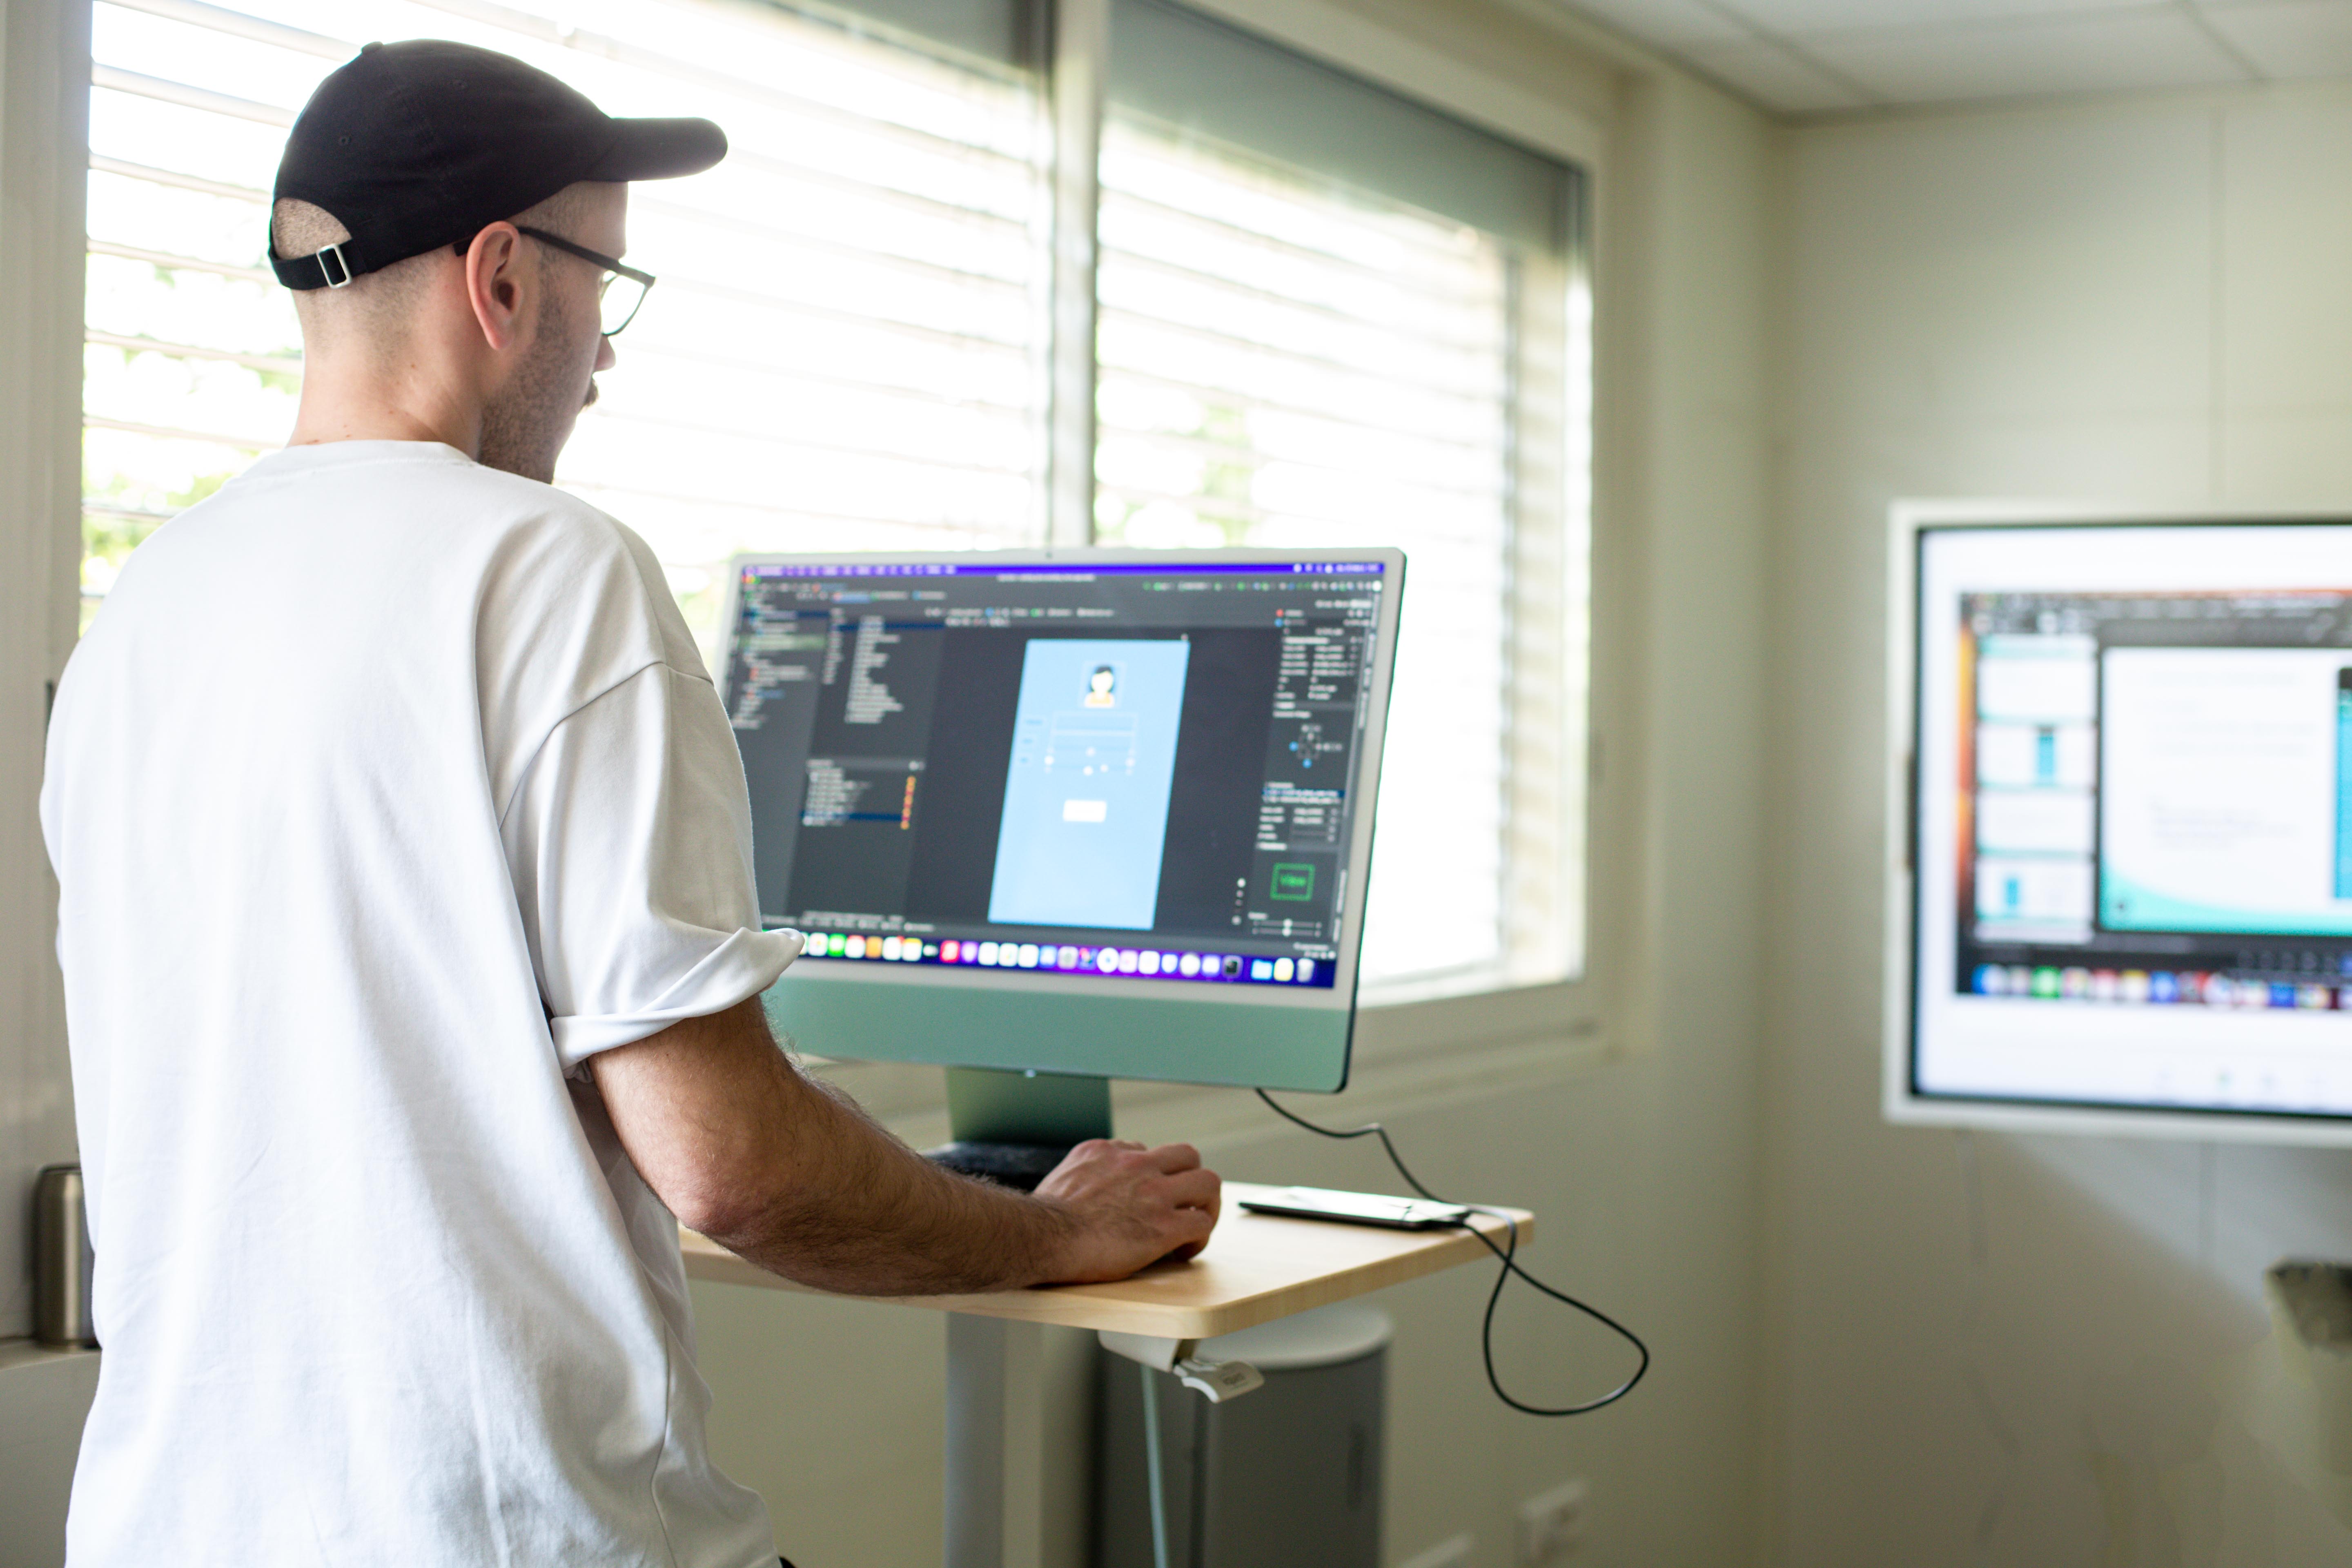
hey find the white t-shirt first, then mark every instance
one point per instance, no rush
(385, 791)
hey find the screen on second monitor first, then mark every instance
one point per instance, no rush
(2135, 817)
(1125, 770)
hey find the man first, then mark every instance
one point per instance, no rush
(410, 946)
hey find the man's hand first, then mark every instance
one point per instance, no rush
(791, 1175)
(1134, 1205)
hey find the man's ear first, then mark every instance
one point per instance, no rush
(497, 284)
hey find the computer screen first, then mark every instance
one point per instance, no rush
(1107, 773)
(2133, 819)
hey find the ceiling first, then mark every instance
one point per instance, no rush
(1829, 56)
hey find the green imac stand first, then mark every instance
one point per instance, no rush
(1049, 819)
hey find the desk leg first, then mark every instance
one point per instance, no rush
(995, 1473)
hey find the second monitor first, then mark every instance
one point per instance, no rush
(1091, 813)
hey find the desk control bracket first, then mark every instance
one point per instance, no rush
(1217, 1381)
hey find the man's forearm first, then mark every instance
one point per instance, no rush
(746, 1149)
(866, 1215)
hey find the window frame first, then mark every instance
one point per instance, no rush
(1568, 1013)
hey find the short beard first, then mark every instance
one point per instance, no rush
(525, 426)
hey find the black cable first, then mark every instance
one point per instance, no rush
(1509, 1255)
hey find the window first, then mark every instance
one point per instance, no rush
(1326, 315)
(844, 350)
(1329, 317)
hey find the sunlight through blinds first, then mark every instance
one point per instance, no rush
(1331, 317)
(846, 349)
(1283, 365)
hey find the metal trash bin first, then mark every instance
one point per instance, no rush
(1288, 1477)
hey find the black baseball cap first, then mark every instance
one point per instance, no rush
(423, 143)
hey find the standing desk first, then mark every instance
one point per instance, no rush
(1256, 1269)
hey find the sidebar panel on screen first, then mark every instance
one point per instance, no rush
(867, 756)
(773, 679)
(2344, 784)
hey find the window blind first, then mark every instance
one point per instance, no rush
(1007, 32)
(845, 350)
(1331, 317)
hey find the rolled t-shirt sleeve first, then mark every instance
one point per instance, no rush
(630, 843)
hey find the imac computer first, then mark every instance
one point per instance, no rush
(1050, 818)
(2120, 869)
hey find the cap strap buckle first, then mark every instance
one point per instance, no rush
(342, 264)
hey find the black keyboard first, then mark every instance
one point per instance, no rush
(1020, 1166)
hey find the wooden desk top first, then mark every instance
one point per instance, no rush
(1257, 1268)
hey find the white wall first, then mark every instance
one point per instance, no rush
(1992, 1349)
(44, 1397)
(1642, 1162)
(43, 98)
(41, 95)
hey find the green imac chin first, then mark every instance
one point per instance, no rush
(1067, 815)
(1090, 1032)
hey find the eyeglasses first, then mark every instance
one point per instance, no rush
(618, 307)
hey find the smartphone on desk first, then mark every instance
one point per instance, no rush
(1358, 1208)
